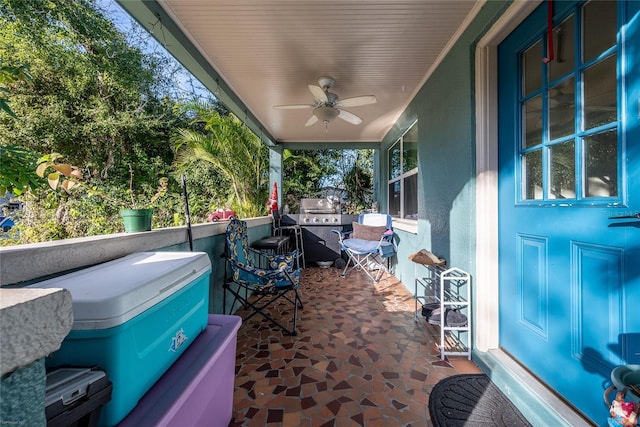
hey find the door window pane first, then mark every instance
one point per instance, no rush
(532, 66)
(568, 143)
(600, 28)
(600, 94)
(564, 42)
(562, 109)
(601, 161)
(532, 175)
(563, 178)
(533, 121)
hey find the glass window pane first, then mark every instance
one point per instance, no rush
(563, 43)
(600, 94)
(563, 177)
(394, 198)
(411, 196)
(601, 160)
(394, 161)
(533, 121)
(532, 175)
(599, 27)
(410, 150)
(532, 68)
(562, 109)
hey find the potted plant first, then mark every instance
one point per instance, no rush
(135, 212)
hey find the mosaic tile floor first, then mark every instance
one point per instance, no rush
(359, 359)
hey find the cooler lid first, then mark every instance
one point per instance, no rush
(109, 294)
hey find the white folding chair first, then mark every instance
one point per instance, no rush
(369, 245)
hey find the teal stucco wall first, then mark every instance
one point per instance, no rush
(445, 110)
(23, 396)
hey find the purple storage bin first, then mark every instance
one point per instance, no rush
(198, 389)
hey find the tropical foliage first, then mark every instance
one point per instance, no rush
(97, 101)
(91, 97)
(10, 74)
(235, 152)
(74, 84)
(319, 172)
(66, 177)
(16, 170)
(358, 182)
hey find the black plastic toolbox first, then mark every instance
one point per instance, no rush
(74, 396)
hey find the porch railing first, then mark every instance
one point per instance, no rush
(26, 264)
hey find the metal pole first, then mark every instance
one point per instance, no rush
(186, 210)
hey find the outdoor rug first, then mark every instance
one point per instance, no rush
(472, 400)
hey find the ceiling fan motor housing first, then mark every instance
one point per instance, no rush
(327, 106)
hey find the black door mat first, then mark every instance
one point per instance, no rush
(472, 400)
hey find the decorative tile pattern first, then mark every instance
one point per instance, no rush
(359, 359)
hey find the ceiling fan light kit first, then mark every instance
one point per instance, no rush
(327, 105)
(326, 113)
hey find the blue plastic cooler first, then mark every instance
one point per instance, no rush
(197, 391)
(134, 317)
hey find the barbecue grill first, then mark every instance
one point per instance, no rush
(317, 218)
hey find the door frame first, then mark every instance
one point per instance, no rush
(486, 108)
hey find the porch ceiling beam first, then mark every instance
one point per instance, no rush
(330, 145)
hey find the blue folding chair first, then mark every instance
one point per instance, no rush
(369, 246)
(277, 281)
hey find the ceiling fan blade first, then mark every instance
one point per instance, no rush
(350, 117)
(357, 101)
(312, 120)
(292, 107)
(318, 93)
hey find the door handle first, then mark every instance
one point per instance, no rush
(636, 216)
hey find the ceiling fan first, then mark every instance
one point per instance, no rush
(328, 106)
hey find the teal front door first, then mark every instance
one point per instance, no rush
(569, 196)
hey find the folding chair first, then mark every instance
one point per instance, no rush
(259, 288)
(369, 244)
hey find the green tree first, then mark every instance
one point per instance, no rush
(16, 163)
(236, 153)
(10, 74)
(304, 173)
(311, 173)
(92, 97)
(358, 182)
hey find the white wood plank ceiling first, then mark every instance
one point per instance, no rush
(268, 51)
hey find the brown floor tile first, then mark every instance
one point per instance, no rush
(360, 358)
(464, 366)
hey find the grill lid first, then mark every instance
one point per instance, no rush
(318, 206)
(320, 211)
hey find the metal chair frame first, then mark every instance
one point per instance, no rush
(362, 253)
(296, 229)
(269, 284)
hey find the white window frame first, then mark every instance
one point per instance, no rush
(401, 178)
